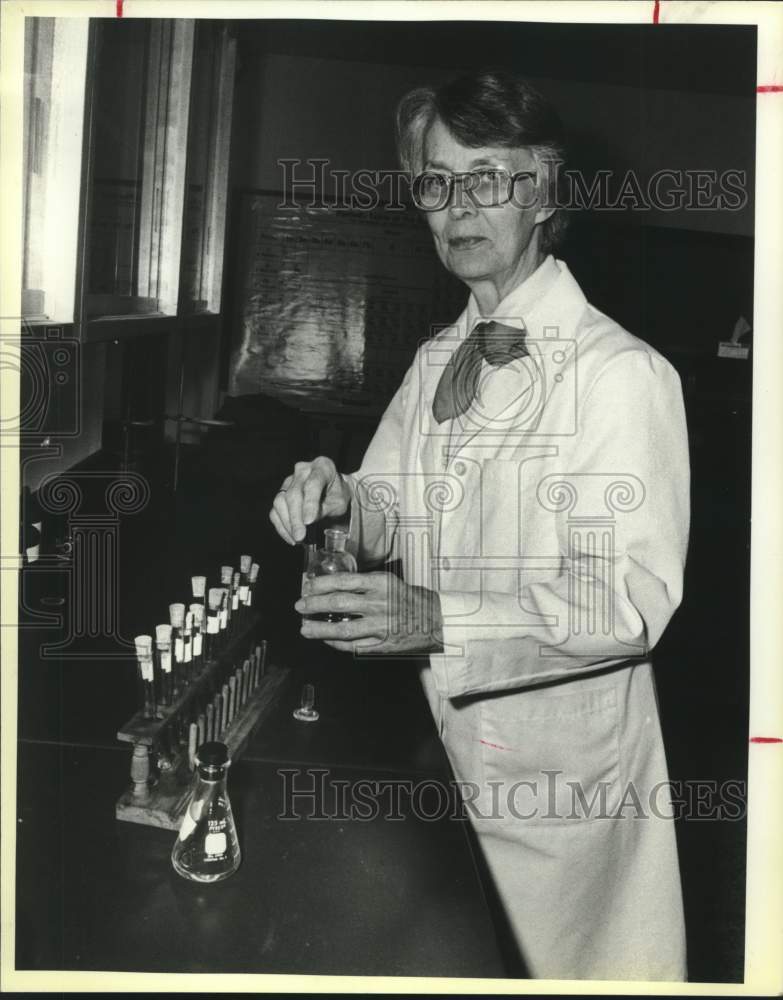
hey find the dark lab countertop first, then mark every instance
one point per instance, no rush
(335, 895)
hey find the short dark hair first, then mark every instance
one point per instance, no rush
(490, 107)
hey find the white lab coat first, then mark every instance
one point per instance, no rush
(552, 519)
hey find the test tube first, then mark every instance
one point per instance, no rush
(177, 619)
(192, 744)
(235, 617)
(213, 624)
(163, 664)
(245, 562)
(226, 578)
(146, 674)
(187, 646)
(197, 611)
(252, 580)
(224, 616)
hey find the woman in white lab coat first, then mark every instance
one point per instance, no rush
(531, 473)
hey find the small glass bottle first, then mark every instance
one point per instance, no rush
(332, 558)
(207, 848)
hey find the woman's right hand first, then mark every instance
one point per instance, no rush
(315, 490)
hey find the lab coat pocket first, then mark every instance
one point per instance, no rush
(554, 757)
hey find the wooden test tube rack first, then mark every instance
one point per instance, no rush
(160, 799)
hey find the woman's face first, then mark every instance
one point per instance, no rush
(491, 249)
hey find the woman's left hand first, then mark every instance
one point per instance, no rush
(395, 616)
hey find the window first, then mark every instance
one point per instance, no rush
(55, 65)
(208, 151)
(139, 117)
(126, 147)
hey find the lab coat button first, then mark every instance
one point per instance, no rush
(445, 565)
(459, 468)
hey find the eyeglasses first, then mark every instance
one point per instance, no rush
(431, 191)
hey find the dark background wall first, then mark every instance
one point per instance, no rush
(631, 97)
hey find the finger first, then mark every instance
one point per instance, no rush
(340, 601)
(281, 504)
(362, 582)
(280, 527)
(294, 499)
(357, 628)
(315, 488)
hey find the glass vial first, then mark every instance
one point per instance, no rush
(226, 580)
(223, 618)
(163, 672)
(245, 562)
(235, 600)
(146, 674)
(306, 712)
(207, 848)
(212, 637)
(197, 608)
(332, 558)
(197, 611)
(187, 646)
(252, 583)
(177, 620)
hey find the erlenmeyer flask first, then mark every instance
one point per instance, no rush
(207, 848)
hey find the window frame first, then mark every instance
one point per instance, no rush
(216, 196)
(60, 221)
(72, 277)
(161, 223)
